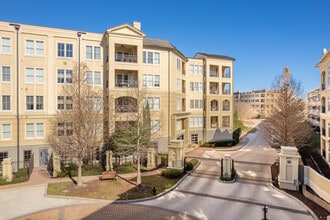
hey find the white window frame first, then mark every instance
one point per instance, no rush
(29, 130)
(5, 45)
(155, 126)
(65, 51)
(151, 80)
(6, 132)
(5, 74)
(5, 103)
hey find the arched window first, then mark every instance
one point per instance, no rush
(214, 105)
(126, 104)
(226, 105)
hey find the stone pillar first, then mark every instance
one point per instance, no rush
(56, 165)
(289, 166)
(151, 163)
(110, 161)
(176, 154)
(7, 169)
(227, 165)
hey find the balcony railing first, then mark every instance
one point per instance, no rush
(214, 125)
(126, 83)
(214, 91)
(126, 58)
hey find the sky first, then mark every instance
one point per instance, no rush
(264, 36)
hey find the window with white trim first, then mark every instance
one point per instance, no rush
(64, 102)
(6, 132)
(64, 129)
(150, 57)
(155, 126)
(34, 48)
(153, 103)
(93, 52)
(196, 69)
(5, 45)
(178, 64)
(34, 130)
(5, 74)
(196, 104)
(178, 104)
(196, 122)
(196, 87)
(30, 105)
(151, 80)
(93, 78)
(64, 76)
(178, 84)
(6, 103)
(34, 75)
(64, 50)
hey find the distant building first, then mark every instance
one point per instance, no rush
(314, 106)
(262, 101)
(324, 66)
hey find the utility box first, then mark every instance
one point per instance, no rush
(289, 168)
(7, 169)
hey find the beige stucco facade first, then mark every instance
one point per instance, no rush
(324, 66)
(192, 97)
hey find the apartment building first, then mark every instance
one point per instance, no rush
(262, 101)
(189, 98)
(314, 106)
(324, 66)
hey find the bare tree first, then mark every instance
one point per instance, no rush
(286, 124)
(76, 129)
(244, 110)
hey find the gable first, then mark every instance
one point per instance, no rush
(126, 30)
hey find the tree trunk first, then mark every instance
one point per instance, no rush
(138, 178)
(79, 180)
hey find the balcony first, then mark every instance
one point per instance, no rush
(214, 88)
(125, 53)
(125, 78)
(126, 83)
(214, 71)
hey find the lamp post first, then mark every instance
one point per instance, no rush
(265, 210)
(79, 33)
(17, 27)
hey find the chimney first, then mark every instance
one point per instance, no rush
(137, 25)
(324, 51)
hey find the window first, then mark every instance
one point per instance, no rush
(214, 121)
(29, 130)
(151, 81)
(196, 122)
(27, 157)
(93, 103)
(29, 75)
(39, 75)
(6, 74)
(64, 50)
(226, 88)
(179, 125)
(178, 84)
(156, 58)
(64, 76)
(226, 105)
(196, 87)
(178, 104)
(178, 64)
(225, 121)
(34, 48)
(29, 47)
(196, 104)
(3, 155)
(64, 102)
(64, 129)
(6, 102)
(40, 130)
(40, 103)
(150, 57)
(5, 45)
(93, 78)
(155, 126)
(153, 103)
(194, 138)
(6, 132)
(29, 103)
(93, 53)
(34, 75)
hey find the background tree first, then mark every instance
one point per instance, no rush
(286, 123)
(133, 130)
(76, 129)
(244, 110)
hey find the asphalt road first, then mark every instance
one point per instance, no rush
(202, 195)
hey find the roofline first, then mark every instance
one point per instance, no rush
(216, 56)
